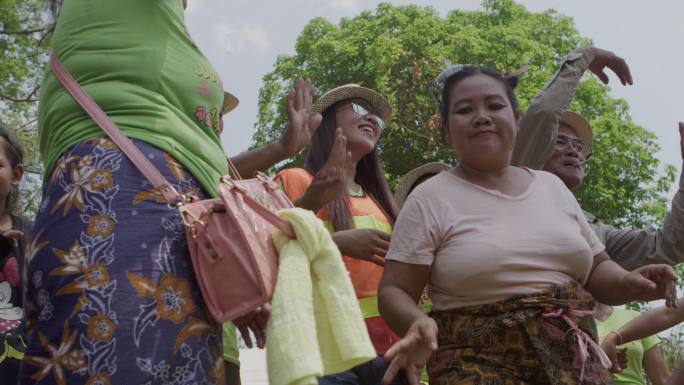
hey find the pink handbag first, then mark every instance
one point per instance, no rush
(229, 237)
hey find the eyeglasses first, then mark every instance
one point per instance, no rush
(563, 142)
(363, 112)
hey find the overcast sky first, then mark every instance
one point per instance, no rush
(242, 38)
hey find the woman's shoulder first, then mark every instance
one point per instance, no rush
(431, 193)
(294, 173)
(548, 179)
(294, 181)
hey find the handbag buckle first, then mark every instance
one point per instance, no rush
(268, 182)
(189, 219)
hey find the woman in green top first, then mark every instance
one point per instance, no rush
(638, 334)
(111, 296)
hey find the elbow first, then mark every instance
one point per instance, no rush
(383, 301)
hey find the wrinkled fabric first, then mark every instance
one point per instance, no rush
(112, 298)
(511, 343)
(316, 326)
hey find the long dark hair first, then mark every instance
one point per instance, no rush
(468, 71)
(369, 174)
(14, 152)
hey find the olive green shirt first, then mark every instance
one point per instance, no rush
(631, 248)
(137, 61)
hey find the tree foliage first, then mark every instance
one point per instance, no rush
(398, 51)
(25, 28)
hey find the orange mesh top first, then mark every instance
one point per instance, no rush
(366, 213)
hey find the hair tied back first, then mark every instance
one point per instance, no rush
(513, 77)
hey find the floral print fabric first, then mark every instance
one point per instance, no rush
(513, 342)
(111, 295)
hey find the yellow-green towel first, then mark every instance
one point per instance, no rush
(316, 327)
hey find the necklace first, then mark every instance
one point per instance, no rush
(357, 193)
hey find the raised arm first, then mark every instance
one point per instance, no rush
(539, 125)
(298, 134)
(633, 248)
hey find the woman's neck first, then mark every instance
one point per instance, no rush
(484, 175)
(507, 180)
(477, 173)
(350, 175)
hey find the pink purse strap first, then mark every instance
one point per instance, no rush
(126, 145)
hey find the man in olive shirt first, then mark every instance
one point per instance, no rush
(539, 146)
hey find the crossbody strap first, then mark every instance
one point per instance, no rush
(126, 145)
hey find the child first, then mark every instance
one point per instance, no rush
(12, 245)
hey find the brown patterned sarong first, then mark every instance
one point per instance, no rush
(545, 338)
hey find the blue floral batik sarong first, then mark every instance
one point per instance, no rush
(111, 295)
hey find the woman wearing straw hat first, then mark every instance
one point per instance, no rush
(343, 182)
(111, 294)
(414, 178)
(510, 261)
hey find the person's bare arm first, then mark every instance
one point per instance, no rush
(647, 324)
(613, 285)
(655, 366)
(297, 135)
(400, 290)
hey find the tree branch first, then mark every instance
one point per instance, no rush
(23, 32)
(27, 99)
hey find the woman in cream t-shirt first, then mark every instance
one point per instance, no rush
(510, 262)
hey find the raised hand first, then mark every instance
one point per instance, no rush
(300, 127)
(617, 64)
(256, 322)
(617, 356)
(365, 244)
(329, 182)
(652, 282)
(412, 352)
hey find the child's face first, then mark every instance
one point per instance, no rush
(9, 176)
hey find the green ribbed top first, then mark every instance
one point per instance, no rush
(137, 61)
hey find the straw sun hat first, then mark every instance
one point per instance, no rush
(229, 103)
(581, 127)
(407, 182)
(379, 104)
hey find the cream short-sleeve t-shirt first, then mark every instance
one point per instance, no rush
(484, 246)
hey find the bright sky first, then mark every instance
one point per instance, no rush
(242, 38)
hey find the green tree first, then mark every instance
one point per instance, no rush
(398, 51)
(672, 347)
(25, 27)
